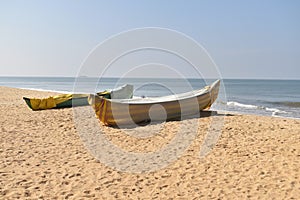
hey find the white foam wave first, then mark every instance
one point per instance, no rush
(274, 111)
(233, 103)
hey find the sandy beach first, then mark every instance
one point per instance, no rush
(43, 157)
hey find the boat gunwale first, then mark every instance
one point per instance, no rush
(157, 100)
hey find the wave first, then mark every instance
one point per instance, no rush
(274, 111)
(233, 103)
(287, 103)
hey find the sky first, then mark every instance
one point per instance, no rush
(246, 39)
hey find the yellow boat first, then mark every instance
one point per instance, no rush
(72, 100)
(114, 112)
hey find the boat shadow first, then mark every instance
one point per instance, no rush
(202, 114)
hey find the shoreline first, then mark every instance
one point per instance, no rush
(255, 114)
(221, 111)
(44, 90)
(43, 156)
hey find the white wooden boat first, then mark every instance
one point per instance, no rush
(114, 112)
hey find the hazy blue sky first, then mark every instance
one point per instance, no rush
(246, 39)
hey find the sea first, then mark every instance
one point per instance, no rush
(279, 98)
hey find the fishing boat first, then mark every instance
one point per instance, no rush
(115, 112)
(72, 100)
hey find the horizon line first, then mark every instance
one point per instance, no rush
(234, 78)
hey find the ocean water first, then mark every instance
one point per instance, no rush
(262, 97)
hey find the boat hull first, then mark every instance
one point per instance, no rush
(47, 103)
(73, 100)
(115, 113)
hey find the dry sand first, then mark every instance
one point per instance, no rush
(43, 157)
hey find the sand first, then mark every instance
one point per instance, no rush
(42, 156)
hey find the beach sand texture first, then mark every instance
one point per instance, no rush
(43, 157)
